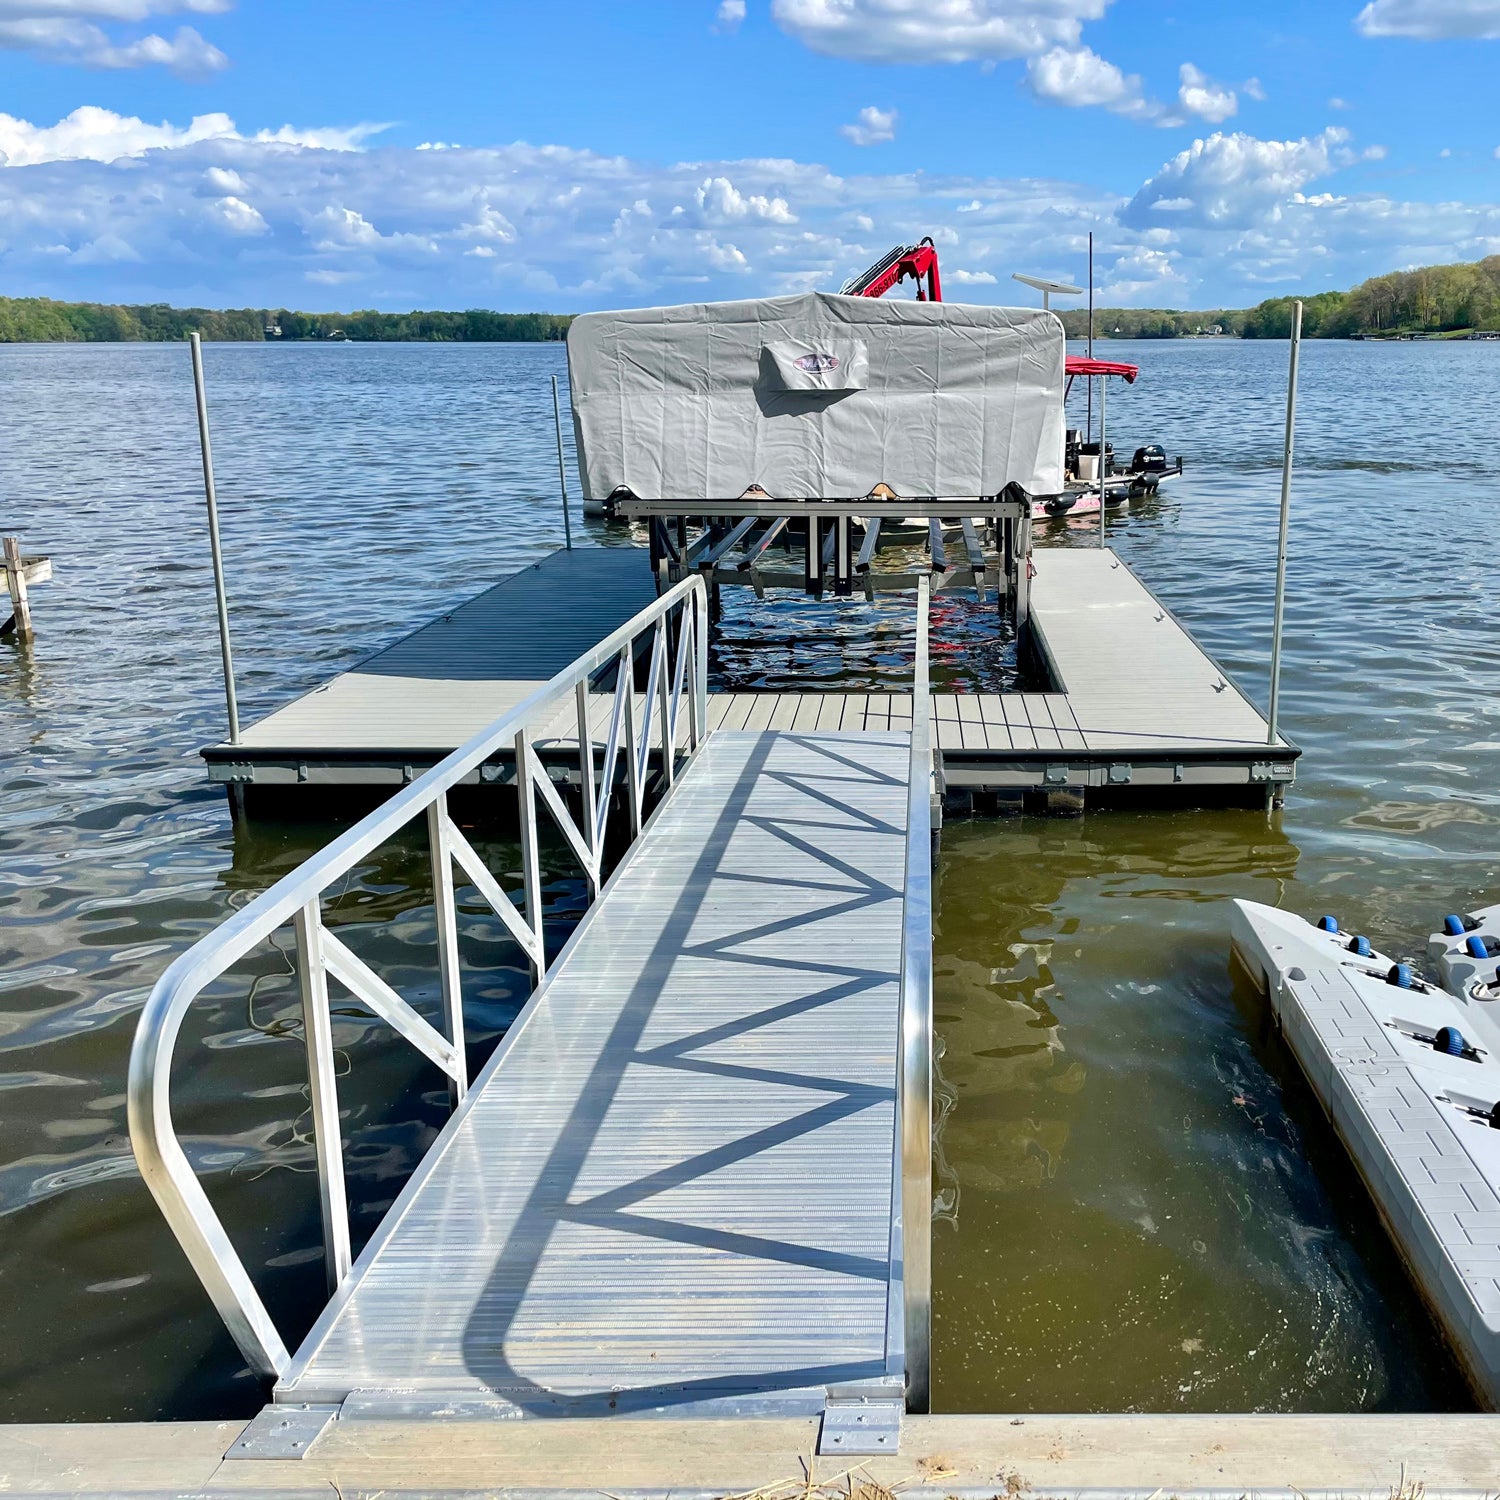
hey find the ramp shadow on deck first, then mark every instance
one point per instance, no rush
(673, 1182)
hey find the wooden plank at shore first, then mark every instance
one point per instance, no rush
(1174, 1453)
(94, 1457)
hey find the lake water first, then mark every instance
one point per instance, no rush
(1141, 1207)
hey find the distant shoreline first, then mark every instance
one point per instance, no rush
(1327, 315)
(42, 320)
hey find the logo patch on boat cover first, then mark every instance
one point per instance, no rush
(818, 364)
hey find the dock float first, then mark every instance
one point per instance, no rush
(1132, 705)
(1405, 1072)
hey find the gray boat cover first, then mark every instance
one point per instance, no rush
(818, 396)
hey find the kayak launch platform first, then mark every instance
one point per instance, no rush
(1133, 706)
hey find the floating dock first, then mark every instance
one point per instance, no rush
(1134, 706)
(1406, 1076)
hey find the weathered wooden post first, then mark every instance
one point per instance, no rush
(19, 572)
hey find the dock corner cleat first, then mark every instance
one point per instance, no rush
(1360, 947)
(1400, 976)
(1328, 924)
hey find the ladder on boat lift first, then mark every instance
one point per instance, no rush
(696, 1172)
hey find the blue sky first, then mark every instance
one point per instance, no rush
(327, 154)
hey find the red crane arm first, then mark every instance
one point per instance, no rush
(918, 261)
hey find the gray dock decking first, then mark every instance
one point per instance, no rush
(1136, 703)
(608, 1215)
(432, 690)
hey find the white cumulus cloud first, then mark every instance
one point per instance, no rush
(873, 127)
(240, 217)
(935, 31)
(207, 213)
(1431, 20)
(1234, 179)
(720, 202)
(1080, 77)
(1199, 95)
(730, 14)
(1144, 276)
(68, 31)
(95, 134)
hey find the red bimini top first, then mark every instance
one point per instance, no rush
(1077, 365)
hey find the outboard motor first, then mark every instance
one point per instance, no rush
(1071, 446)
(1151, 459)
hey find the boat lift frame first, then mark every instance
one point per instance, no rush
(727, 541)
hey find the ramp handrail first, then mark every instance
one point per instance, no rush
(914, 1102)
(674, 678)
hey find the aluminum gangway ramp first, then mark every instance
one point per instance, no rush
(673, 1182)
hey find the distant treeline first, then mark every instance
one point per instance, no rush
(1444, 301)
(27, 320)
(1148, 322)
(1452, 299)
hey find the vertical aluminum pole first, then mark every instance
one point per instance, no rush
(1089, 425)
(1103, 444)
(562, 473)
(1286, 502)
(213, 539)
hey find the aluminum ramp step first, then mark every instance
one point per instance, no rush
(673, 1181)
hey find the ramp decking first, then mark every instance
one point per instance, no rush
(674, 1180)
